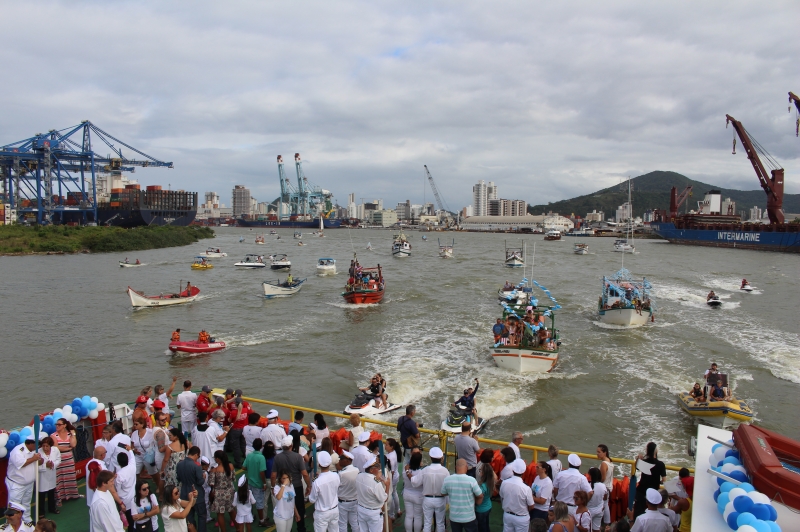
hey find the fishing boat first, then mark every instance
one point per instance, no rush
(515, 257)
(280, 262)
(214, 253)
(625, 245)
(260, 239)
(771, 461)
(581, 248)
(326, 266)
(251, 260)
(201, 263)
(721, 414)
(361, 291)
(126, 264)
(446, 252)
(298, 234)
(139, 299)
(401, 247)
(532, 347)
(278, 289)
(625, 301)
(552, 234)
(195, 346)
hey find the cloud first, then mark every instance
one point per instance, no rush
(549, 100)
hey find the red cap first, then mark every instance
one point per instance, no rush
(141, 399)
(158, 404)
(688, 485)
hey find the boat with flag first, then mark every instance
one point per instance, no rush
(365, 285)
(525, 343)
(626, 301)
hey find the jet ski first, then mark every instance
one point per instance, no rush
(746, 287)
(713, 301)
(458, 417)
(364, 405)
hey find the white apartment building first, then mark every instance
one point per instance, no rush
(624, 212)
(480, 206)
(241, 201)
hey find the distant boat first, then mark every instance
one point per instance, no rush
(260, 239)
(278, 289)
(359, 291)
(281, 262)
(251, 260)
(622, 245)
(201, 263)
(369, 246)
(515, 257)
(581, 248)
(214, 253)
(139, 299)
(446, 252)
(241, 239)
(326, 266)
(625, 301)
(401, 247)
(553, 234)
(131, 264)
(298, 234)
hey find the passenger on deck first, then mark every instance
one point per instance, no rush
(718, 392)
(203, 337)
(188, 288)
(176, 335)
(508, 286)
(497, 330)
(697, 393)
(289, 279)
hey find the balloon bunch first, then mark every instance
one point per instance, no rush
(743, 508)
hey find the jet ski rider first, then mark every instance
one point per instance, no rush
(467, 401)
(376, 390)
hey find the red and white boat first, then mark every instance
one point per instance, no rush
(194, 346)
(771, 460)
(139, 299)
(360, 292)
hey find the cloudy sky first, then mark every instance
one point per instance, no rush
(547, 99)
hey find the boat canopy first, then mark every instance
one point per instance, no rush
(326, 258)
(252, 255)
(622, 285)
(279, 256)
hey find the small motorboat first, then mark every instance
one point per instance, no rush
(214, 253)
(281, 262)
(300, 243)
(251, 260)
(201, 263)
(278, 289)
(515, 257)
(298, 234)
(713, 301)
(457, 417)
(553, 234)
(719, 413)
(326, 266)
(139, 299)
(581, 248)
(364, 405)
(260, 239)
(194, 346)
(241, 239)
(424, 237)
(126, 264)
(401, 247)
(369, 246)
(446, 252)
(273, 232)
(623, 246)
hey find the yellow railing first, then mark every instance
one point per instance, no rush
(443, 435)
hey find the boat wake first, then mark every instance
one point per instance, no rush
(351, 306)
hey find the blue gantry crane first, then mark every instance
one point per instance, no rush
(307, 200)
(48, 174)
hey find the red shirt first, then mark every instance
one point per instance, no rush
(239, 422)
(203, 403)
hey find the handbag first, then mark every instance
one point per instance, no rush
(123, 518)
(144, 526)
(150, 453)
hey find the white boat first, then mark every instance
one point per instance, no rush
(713, 301)
(446, 252)
(321, 232)
(625, 245)
(125, 264)
(273, 232)
(581, 248)
(251, 260)
(278, 289)
(298, 234)
(515, 257)
(214, 253)
(401, 247)
(241, 239)
(524, 360)
(260, 239)
(139, 299)
(280, 262)
(625, 301)
(369, 246)
(326, 266)
(364, 405)
(552, 234)
(621, 245)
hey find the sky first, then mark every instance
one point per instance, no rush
(547, 99)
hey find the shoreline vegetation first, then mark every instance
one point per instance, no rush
(24, 240)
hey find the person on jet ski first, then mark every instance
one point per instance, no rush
(744, 283)
(711, 295)
(376, 390)
(467, 401)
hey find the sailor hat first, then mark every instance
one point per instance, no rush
(518, 466)
(42, 435)
(205, 460)
(653, 496)
(347, 454)
(312, 426)
(574, 460)
(324, 459)
(242, 480)
(287, 441)
(364, 436)
(436, 453)
(272, 414)
(14, 507)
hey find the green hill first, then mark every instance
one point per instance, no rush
(651, 191)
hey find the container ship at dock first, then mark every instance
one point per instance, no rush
(293, 222)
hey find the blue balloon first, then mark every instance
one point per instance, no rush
(76, 403)
(731, 460)
(720, 482)
(738, 475)
(92, 405)
(732, 452)
(48, 419)
(57, 416)
(746, 486)
(760, 511)
(744, 518)
(716, 495)
(773, 526)
(742, 503)
(726, 487)
(723, 500)
(26, 431)
(14, 436)
(773, 513)
(731, 520)
(760, 526)
(10, 444)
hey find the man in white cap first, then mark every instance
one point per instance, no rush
(348, 498)
(325, 496)
(517, 500)
(431, 480)
(293, 463)
(569, 481)
(361, 454)
(651, 520)
(372, 491)
(22, 463)
(273, 431)
(14, 521)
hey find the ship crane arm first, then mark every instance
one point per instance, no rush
(796, 99)
(439, 202)
(676, 200)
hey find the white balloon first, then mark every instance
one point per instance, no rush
(58, 411)
(746, 528)
(101, 406)
(739, 468)
(67, 410)
(727, 468)
(74, 419)
(3, 439)
(759, 497)
(735, 492)
(3, 452)
(94, 400)
(93, 414)
(728, 509)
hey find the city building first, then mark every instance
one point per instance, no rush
(479, 199)
(467, 211)
(384, 218)
(595, 216)
(503, 223)
(352, 211)
(241, 201)
(557, 222)
(504, 207)
(624, 213)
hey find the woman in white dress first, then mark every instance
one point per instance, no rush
(412, 497)
(607, 474)
(599, 500)
(142, 443)
(47, 474)
(393, 451)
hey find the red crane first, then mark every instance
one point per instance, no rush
(675, 200)
(794, 98)
(772, 185)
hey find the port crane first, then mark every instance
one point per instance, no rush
(676, 200)
(796, 99)
(772, 184)
(40, 171)
(449, 222)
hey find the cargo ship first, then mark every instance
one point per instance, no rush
(290, 222)
(132, 207)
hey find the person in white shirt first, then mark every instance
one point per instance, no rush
(348, 499)
(93, 469)
(119, 443)
(325, 496)
(251, 432)
(273, 431)
(14, 521)
(22, 463)
(516, 441)
(362, 454)
(517, 500)
(412, 496)
(674, 518)
(125, 483)
(569, 481)
(164, 397)
(47, 473)
(651, 520)
(542, 491)
(597, 503)
(243, 501)
(186, 402)
(105, 441)
(103, 513)
(372, 491)
(216, 435)
(555, 463)
(431, 480)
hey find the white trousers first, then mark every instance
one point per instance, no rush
(515, 523)
(394, 499)
(21, 494)
(283, 525)
(327, 521)
(434, 506)
(348, 513)
(369, 520)
(414, 516)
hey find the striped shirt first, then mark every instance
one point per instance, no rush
(462, 490)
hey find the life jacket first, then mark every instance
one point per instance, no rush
(176, 336)
(530, 474)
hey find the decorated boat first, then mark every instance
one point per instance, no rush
(401, 247)
(139, 299)
(626, 301)
(581, 248)
(326, 266)
(515, 257)
(251, 260)
(531, 347)
(214, 253)
(201, 263)
(195, 346)
(280, 262)
(126, 264)
(446, 252)
(723, 413)
(260, 239)
(277, 288)
(366, 287)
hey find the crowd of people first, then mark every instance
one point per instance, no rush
(186, 472)
(530, 331)
(360, 278)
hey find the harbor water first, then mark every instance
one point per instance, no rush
(68, 330)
